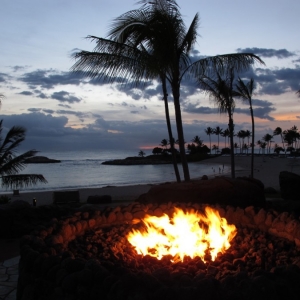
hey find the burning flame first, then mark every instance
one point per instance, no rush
(185, 234)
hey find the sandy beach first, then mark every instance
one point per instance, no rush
(266, 169)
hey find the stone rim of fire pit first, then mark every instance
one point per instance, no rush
(41, 269)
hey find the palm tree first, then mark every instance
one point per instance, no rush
(278, 131)
(158, 30)
(218, 131)
(11, 164)
(241, 135)
(245, 91)
(197, 140)
(164, 143)
(209, 131)
(221, 91)
(226, 135)
(215, 147)
(141, 153)
(268, 139)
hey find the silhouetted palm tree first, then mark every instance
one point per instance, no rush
(209, 131)
(268, 139)
(141, 153)
(158, 29)
(221, 91)
(278, 131)
(218, 131)
(197, 140)
(226, 135)
(164, 143)
(11, 163)
(245, 91)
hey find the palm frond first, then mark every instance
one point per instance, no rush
(22, 180)
(11, 164)
(222, 63)
(245, 90)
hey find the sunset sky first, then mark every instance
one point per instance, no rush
(62, 111)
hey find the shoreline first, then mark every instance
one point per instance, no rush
(266, 169)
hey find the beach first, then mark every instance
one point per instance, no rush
(266, 169)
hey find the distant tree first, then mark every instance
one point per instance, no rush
(278, 131)
(197, 140)
(157, 150)
(278, 149)
(218, 131)
(268, 139)
(142, 153)
(225, 134)
(164, 143)
(215, 147)
(209, 131)
(11, 163)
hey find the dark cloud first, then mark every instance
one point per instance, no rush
(19, 68)
(48, 111)
(261, 109)
(26, 93)
(277, 81)
(48, 133)
(196, 109)
(64, 96)
(34, 109)
(64, 105)
(48, 79)
(134, 112)
(263, 52)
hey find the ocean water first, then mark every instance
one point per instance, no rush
(84, 169)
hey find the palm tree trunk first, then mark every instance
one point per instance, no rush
(171, 139)
(185, 167)
(231, 129)
(252, 146)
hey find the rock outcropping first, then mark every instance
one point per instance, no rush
(242, 192)
(41, 160)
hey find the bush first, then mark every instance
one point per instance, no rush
(4, 199)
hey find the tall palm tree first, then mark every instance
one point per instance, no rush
(157, 28)
(220, 89)
(218, 131)
(209, 131)
(245, 91)
(226, 135)
(268, 139)
(241, 136)
(278, 131)
(11, 163)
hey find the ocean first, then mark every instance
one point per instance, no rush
(84, 169)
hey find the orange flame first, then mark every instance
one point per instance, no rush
(185, 234)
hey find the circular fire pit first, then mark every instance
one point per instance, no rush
(88, 256)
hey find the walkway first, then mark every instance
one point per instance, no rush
(9, 278)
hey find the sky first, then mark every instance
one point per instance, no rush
(62, 111)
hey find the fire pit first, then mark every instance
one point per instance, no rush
(90, 256)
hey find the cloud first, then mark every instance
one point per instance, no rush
(64, 96)
(48, 79)
(195, 108)
(26, 93)
(263, 52)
